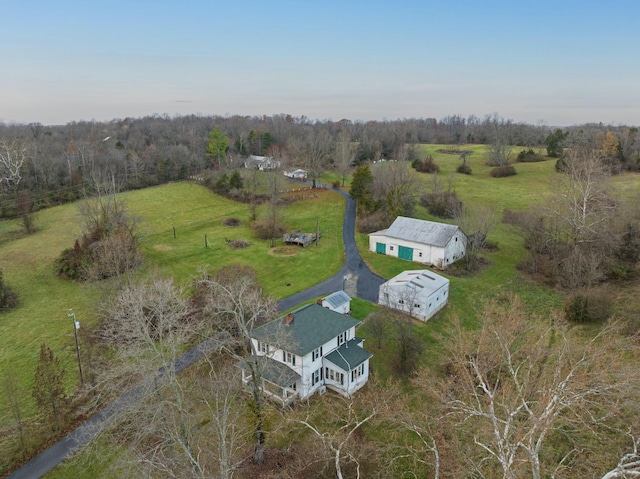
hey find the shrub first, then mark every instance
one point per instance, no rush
(373, 222)
(427, 165)
(503, 171)
(464, 168)
(442, 205)
(561, 165)
(268, 230)
(529, 156)
(238, 243)
(8, 297)
(589, 307)
(336, 184)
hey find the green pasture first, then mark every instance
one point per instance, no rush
(28, 266)
(197, 216)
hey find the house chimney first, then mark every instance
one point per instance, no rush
(288, 318)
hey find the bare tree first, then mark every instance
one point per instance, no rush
(345, 154)
(582, 203)
(13, 395)
(519, 382)
(48, 387)
(395, 185)
(476, 224)
(337, 441)
(313, 149)
(629, 464)
(146, 326)
(13, 154)
(236, 305)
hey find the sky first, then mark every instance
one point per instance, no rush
(559, 63)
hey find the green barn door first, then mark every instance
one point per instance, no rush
(405, 253)
(381, 248)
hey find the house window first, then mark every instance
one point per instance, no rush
(342, 337)
(316, 353)
(263, 347)
(289, 358)
(294, 386)
(315, 377)
(401, 301)
(420, 254)
(416, 305)
(390, 248)
(357, 372)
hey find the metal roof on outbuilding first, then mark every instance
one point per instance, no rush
(337, 299)
(422, 280)
(420, 231)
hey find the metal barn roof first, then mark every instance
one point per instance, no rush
(337, 299)
(422, 280)
(420, 231)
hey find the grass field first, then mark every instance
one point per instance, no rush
(195, 212)
(28, 265)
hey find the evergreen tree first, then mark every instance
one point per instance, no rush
(361, 187)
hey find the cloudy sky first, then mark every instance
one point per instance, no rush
(560, 62)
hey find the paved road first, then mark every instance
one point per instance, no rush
(360, 282)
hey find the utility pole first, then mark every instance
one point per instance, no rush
(76, 326)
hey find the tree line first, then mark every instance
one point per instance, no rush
(55, 164)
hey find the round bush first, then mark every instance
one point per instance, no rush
(503, 171)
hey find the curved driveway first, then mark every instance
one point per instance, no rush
(360, 282)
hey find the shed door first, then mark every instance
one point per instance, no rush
(381, 248)
(405, 253)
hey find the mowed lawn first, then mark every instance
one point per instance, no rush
(28, 266)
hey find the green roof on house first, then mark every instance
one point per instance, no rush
(273, 371)
(349, 355)
(311, 327)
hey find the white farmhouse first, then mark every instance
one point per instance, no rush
(428, 242)
(421, 293)
(307, 351)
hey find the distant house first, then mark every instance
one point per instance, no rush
(262, 163)
(340, 302)
(427, 242)
(307, 351)
(296, 174)
(421, 293)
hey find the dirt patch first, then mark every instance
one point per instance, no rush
(238, 243)
(163, 247)
(284, 251)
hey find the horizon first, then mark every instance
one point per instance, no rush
(543, 63)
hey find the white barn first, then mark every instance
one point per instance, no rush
(421, 293)
(427, 242)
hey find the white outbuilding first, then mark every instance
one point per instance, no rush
(340, 302)
(427, 242)
(421, 293)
